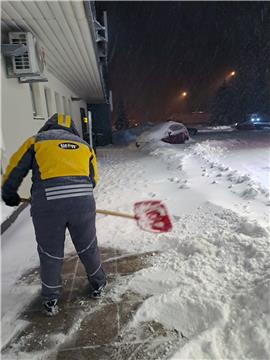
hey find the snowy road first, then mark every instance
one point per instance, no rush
(210, 279)
(245, 151)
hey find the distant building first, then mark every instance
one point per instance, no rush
(53, 60)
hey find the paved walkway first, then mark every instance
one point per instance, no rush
(90, 329)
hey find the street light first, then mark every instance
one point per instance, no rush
(184, 93)
(229, 76)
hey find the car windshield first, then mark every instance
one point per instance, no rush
(175, 127)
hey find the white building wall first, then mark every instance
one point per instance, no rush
(18, 122)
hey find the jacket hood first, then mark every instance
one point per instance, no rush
(60, 121)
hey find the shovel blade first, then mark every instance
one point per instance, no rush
(152, 215)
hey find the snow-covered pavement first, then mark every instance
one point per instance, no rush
(212, 280)
(210, 276)
(245, 151)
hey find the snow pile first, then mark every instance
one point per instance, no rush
(250, 173)
(217, 157)
(248, 153)
(246, 333)
(212, 285)
(205, 150)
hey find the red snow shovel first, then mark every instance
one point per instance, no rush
(151, 215)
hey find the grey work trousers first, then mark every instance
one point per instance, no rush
(50, 235)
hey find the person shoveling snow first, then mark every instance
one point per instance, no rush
(64, 175)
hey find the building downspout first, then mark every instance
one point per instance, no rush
(90, 14)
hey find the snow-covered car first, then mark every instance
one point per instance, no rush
(169, 132)
(176, 133)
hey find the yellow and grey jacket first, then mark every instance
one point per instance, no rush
(64, 169)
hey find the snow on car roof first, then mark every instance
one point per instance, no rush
(160, 131)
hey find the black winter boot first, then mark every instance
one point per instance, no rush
(50, 307)
(96, 290)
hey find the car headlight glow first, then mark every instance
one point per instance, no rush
(252, 119)
(258, 119)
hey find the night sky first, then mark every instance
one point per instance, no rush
(159, 49)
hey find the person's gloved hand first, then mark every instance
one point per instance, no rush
(12, 200)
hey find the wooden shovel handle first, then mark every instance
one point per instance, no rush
(98, 211)
(115, 213)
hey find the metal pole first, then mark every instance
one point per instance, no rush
(90, 128)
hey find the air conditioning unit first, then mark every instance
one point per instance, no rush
(32, 63)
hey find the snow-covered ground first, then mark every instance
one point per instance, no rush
(18, 250)
(6, 211)
(211, 277)
(244, 151)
